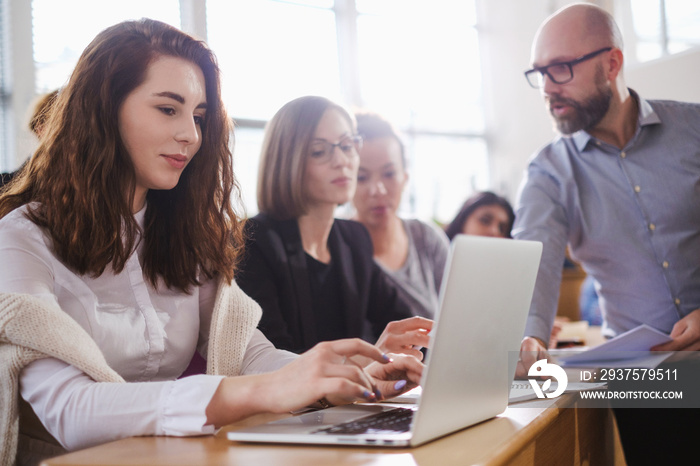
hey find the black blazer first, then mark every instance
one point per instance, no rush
(274, 273)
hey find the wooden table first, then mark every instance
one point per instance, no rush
(558, 431)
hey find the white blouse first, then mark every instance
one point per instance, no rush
(146, 334)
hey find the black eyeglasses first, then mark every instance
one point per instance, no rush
(560, 73)
(322, 151)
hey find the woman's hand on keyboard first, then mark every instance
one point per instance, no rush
(402, 374)
(327, 371)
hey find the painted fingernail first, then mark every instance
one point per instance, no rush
(378, 394)
(399, 385)
(386, 357)
(369, 395)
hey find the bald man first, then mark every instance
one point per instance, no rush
(620, 186)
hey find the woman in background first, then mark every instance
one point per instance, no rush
(483, 214)
(487, 214)
(37, 124)
(42, 110)
(411, 252)
(121, 229)
(313, 275)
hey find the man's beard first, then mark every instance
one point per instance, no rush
(586, 114)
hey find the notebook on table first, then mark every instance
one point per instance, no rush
(484, 300)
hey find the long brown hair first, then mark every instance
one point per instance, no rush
(81, 179)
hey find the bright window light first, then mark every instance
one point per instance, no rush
(415, 62)
(271, 52)
(420, 67)
(61, 32)
(662, 34)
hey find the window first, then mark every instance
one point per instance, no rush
(258, 44)
(664, 27)
(415, 65)
(418, 67)
(61, 33)
(415, 62)
(271, 52)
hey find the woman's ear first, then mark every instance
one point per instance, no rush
(405, 180)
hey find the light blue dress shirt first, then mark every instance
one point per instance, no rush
(631, 217)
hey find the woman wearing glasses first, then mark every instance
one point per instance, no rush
(314, 275)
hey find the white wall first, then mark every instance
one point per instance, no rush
(515, 115)
(674, 77)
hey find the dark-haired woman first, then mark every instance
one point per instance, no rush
(483, 214)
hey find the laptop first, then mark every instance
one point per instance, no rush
(484, 300)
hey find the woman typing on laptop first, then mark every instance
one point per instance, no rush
(118, 246)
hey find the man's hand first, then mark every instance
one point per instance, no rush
(556, 330)
(685, 334)
(531, 350)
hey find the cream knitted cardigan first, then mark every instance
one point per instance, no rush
(32, 328)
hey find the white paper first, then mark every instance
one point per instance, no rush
(631, 345)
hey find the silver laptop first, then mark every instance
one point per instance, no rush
(484, 301)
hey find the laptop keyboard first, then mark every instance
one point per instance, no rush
(391, 421)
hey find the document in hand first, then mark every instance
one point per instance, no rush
(631, 345)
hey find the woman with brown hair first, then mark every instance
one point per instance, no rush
(314, 275)
(412, 253)
(119, 239)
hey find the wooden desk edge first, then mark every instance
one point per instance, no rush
(523, 437)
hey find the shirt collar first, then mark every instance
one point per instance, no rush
(140, 215)
(580, 139)
(646, 116)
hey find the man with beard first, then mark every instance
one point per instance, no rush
(621, 188)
